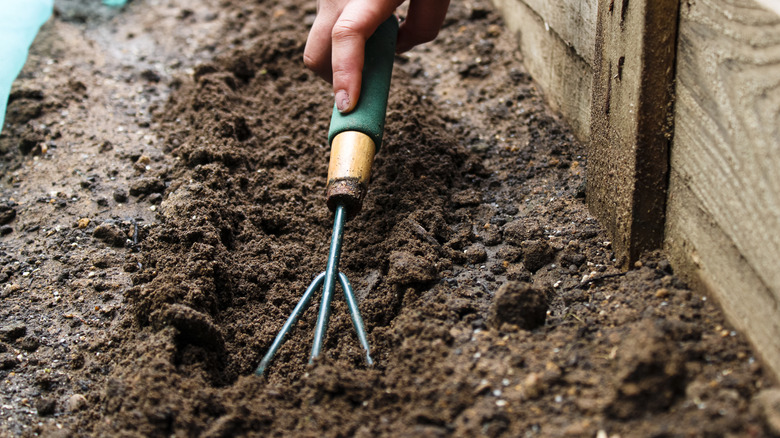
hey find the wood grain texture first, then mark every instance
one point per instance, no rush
(351, 156)
(574, 21)
(630, 122)
(724, 198)
(564, 76)
(710, 262)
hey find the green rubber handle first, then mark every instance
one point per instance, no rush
(368, 116)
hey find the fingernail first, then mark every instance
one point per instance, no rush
(342, 100)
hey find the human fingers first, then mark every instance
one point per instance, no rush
(317, 53)
(357, 22)
(422, 23)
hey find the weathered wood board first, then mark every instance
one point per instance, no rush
(557, 61)
(630, 122)
(573, 21)
(723, 208)
(722, 224)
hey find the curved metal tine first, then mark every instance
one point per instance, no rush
(357, 320)
(296, 313)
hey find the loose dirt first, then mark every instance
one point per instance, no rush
(163, 210)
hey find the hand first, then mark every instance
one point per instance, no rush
(336, 44)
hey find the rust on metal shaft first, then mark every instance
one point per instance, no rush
(347, 191)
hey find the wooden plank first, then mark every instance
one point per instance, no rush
(574, 21)
(710, 262)
(724, 196)
(630, 121)
(564, 76)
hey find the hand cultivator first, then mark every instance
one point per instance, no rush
(354, 138)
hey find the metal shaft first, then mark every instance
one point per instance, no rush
(331, 277)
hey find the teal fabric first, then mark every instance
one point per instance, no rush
(114, 3)
(368, 116)
(19, 23)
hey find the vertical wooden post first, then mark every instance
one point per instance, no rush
(631, 118)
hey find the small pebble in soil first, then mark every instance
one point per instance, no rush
(475, 254)
(519, 304)
(515, 232)
(155, 198)
(120, 196)
(6, 230)
(145, 186)
(45, 406)
(510, 254)
(110, 234)
(533, 386)
(75, 403)
(496, 268)
(491, 235)
(517, 272)
(536, 254)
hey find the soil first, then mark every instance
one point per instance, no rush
(163, 210)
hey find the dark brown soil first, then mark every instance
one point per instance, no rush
(147, 269)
